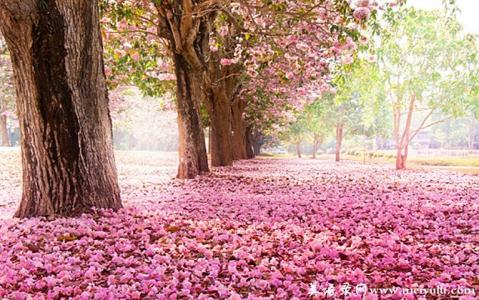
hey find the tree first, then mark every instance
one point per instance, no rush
(62, 104)
(317, 122)
(456, 133)
(295, 133)
(358, 107)
(186, 35)
(226, 43)
(425, 63)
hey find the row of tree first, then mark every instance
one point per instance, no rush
(419, 70)
(233, 63)
(232, 59)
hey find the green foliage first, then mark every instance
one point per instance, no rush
(317, 120)
(426, 54)
(295, 133)
(134, 53)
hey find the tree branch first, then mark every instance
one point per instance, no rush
(427, 126)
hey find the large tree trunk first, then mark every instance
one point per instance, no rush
(5, 141)
(219, 110)
(339, 140)
(240, 150)
(192, 148)
(62, 105)
(188, 35)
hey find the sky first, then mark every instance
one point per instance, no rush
(468, 16)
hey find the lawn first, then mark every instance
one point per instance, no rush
(461, 164)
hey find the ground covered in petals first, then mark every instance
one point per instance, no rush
(263, 229)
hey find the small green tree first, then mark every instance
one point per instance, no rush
(295, 134)
(425, 63)
(318, 123)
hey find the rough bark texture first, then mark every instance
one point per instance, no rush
(5, 141)
(188, 25)
(188, 34)
(192, 147)
(62, 105)
(240, 150)
(258, 141)
(339, 140)
(219, 110)
(221, 86)
(249, 143)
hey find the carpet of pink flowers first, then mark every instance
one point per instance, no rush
(263, 229)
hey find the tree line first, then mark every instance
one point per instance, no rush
(232, 60)
(416, 71)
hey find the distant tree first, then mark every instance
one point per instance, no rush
(318, 125)
(456, 133)
(295, 134)
(224, 50)
(425, 63)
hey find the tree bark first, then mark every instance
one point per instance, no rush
(62, 105)
(219, 110)
(249, 143)
(4, 132)
(258, 141)
(298, 149)
(239, 145)
(401, 157)
(402, 141)
(257, 148)
(339, 140)
(188, 36)
(192, 148)
(209, 140)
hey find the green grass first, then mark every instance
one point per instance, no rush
(453, 161)
(442, 161)
(467, 165)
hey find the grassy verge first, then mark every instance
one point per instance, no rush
(467, 165)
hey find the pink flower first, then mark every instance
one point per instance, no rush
(362, 13)
(235, 296)
(227, 62)
(347, 60)
(135, 56)
(262, 284)
(362, 3)
(223, 31)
